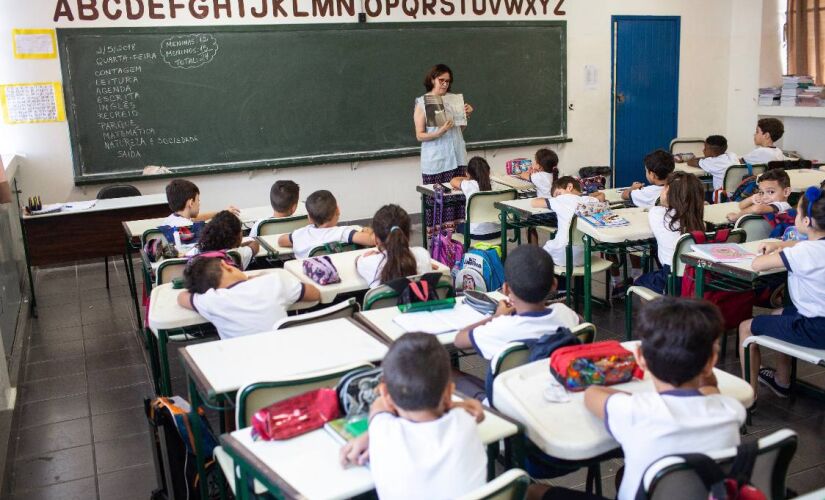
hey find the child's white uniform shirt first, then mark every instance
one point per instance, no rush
(666, 238)
(490, 338)
(543, 182)
(762, 155)
(646, 196)
(369, 267)
(251, 306)
(305, 239)
(470, 187)
(806, 276)
(254, 231)
(651, 425)
(175, 220)
(717, 166)
(564, 205)
(435, 460)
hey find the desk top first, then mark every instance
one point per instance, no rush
(272, 241)
(522, 206)
(741, 269)
(512, 182)
(427, 189)
(307, 466)
(638, 229)
(567, 430)
(613, 196)
(717, 214)
(224, 366)
(698, 172)
(803, 178)
(109, 204)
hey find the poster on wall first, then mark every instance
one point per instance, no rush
(34, 43)
(32, 103)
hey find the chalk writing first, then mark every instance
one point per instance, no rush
(188, 51)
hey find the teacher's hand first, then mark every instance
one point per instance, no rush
(444, 128)
(468, 110)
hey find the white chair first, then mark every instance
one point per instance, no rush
(670, 477)
(345, 309)
(282, 225)
(384, 296)
(735, 173)
(512, 485)
(755, 227)
(481, 208)
(807, 354)
(570, 272)
(693, 145)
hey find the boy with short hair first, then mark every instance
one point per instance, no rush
(768, 131)
(419, 443)
(238, 304)
(658, 165)
(323, 213)
(529, 280)
(283, 196)
(184, 200)
(717, 159)
(774, 189)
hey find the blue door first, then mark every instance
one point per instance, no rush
(645, 91)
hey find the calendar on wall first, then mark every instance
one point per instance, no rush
(32, 102)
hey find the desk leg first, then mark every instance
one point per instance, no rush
(163, 360)
(32, 298)
(587, 277)
(194, 416)
(502, 216)
(568, 277)
(424, 220)
(152, 346)
(700, 282)
(130, 276)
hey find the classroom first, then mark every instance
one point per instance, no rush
(412, 249)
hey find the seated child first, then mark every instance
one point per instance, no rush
(543, 173)
(283, 196)
(477, 179)
(323, 213)
(772, 198)
(567, 195)
(529, 280)
(420, 443)
(768, 131)
(803, 321)
(393, 258)
(686, 413)
(658, 165)
(224, 232)
(184, 200)
(717, 159)
(238, 304)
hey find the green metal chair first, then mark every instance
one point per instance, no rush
(282, 225)
(332, 248)
(512, 485)
(345, 309)
(755, 227)
(735, 173)
(384, 296)
(481, 208)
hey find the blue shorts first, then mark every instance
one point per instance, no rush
(655, 280)
(792, 327)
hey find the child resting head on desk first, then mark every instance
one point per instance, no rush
(772, 197)
(283, 196)
(323, 213)
(420, 443)
(237, 304)
(658, 165)
(184, 200)
(529, 281)
(686, 413)
(224, 232)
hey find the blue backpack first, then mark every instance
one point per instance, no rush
(747, 187)
(481, 270)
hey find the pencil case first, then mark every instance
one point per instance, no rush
(517, 166)
(321, 270)
(296, 415)
(600, 363)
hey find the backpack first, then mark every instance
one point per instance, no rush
(781, 222)
(593, 179)
(481, 270)
(411, 291)
(442, 246)
(736, 307)
(357, 390)
(746, 188)
(735, 485)
(157, 249)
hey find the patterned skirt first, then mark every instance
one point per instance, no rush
(453, 213)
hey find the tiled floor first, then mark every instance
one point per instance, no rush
(81, 432)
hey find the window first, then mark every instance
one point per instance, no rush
(806, 38)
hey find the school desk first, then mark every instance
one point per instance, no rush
(271, 248)
(519, 213)
(525, 188)
(803, 178)
(351, 281)
(308, 466)
(567, 431)
(717, 214)
(698, 172)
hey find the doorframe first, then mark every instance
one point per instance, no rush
(613, 37)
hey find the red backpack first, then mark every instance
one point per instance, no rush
(736, 307)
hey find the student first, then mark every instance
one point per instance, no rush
(686, 413)
(393, 258)
(477, 179)
(772, 198)
(224, 232)
(323, 213)
(803, 321)
(184, 200)
(237, 304)
(717, 159)
(420, 443)
(529, 280)
(567, 196)
(768, 131)
(658, 165)
(543, 173)
(680, 211)
(283, 196)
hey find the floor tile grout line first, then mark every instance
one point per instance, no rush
(91, 427)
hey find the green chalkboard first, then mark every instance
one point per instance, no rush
(221, 98)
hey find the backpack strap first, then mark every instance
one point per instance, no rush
(708, 471)
(722, 236)
(699, 237)
(750, 169)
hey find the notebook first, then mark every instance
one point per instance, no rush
(723, 252)
(440, 321)
(346, 429)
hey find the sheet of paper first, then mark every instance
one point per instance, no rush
(34, 43)
(440, 321)
(79, 205)
(32, 103)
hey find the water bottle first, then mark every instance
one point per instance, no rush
(176, 236)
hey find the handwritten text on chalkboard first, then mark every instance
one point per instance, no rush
(188, 51)
(92, 10)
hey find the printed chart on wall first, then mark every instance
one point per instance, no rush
(32, 103)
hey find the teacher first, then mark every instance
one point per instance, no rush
(443, 153)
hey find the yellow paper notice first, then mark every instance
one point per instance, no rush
(34, 44)
(32, 102)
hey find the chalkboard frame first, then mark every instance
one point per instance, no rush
(81, 178)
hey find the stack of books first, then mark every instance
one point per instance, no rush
(769, 96)
(811, 96)
(792, 85)
(605, 219)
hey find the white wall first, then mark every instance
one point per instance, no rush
(708, 102)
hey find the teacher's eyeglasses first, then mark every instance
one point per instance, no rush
(442, 81)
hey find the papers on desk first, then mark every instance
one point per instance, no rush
(440, 321)
(723, 252)
(78, 205)
(605, 219)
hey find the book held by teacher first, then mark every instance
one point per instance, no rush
(440, 109)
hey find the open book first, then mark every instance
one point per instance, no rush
(605, 219)
(440, 109)
(440, 321)
(723, 252)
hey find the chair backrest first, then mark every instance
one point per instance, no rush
(516, 354)
(687, 145)
(735, 173)
(512, 485)
(332, 248)
(683, 245)
(170, 269)
(150, 234)
(275, 225)
(252, 397)
(345, 309)
(384, 296)
(670, 477)
(755, 226)
(117, 191)
(790, 164)
(481, 205)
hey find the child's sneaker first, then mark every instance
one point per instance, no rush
(767, 377)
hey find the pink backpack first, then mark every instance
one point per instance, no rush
(443, 247)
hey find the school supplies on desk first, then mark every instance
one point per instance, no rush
(440, 321)
(723, 252)
(346, 429)
(605, 219)
(683, 157)
(296, 415)
(321, 270)
(600, 363)
(517, 166)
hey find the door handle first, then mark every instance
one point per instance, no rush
(619, 97)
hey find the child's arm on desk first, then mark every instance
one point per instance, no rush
(365, 237)
(311, 294)
(462, 338)
(254, 245)
(539, 203)
(185, 300)
(595, 397)
(285, 240)
(633, 187)
(455, 182)
(598, 195)
(769, 255)
(357, 451)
